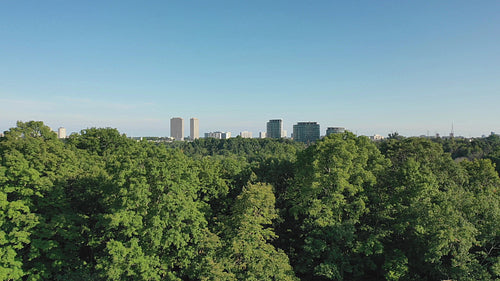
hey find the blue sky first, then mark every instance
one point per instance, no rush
(374, 67)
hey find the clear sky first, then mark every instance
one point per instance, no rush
(374, 67)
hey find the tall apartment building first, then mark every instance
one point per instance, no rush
(335, 130)
(194, 128)
(177, 128)
(306, 132)
(61, 133)
(275, 129)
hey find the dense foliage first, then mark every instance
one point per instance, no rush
(100, 206)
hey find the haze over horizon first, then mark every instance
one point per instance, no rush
(372, 67)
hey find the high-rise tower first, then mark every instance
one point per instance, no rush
(177, 128)
(275, 129)
(61, 133)
(194, 128)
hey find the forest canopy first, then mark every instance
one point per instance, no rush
(101, 206)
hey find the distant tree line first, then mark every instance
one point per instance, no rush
(100, 206)
(475, 148)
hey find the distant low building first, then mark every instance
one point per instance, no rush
(218, 135)
(262, 135)
(246, 134)
(335, 130)
(215, 135)
(376, 137)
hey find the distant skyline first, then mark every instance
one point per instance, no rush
(373, 67)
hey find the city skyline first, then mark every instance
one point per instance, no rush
(302, 131)
(375, 68)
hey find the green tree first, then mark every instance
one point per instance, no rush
(154, 225)
(98, 140)
(251, 254)
(329, 201)
(40, 224)
(430, 236)
(16, 223)
(482, 209)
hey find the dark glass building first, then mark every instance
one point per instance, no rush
(275, 129)
(306, 132)
(335, 130)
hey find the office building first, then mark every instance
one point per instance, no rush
(61, 133)
(335, 130)
(262, 135)
(246, 134)
(306, 132)
(194, 128)
(275, 129)
(215, 135)
(177, 128)
(218, 135)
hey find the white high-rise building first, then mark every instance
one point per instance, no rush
(194, 128)
(177, 128)
(246, 134)
(61, 133)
